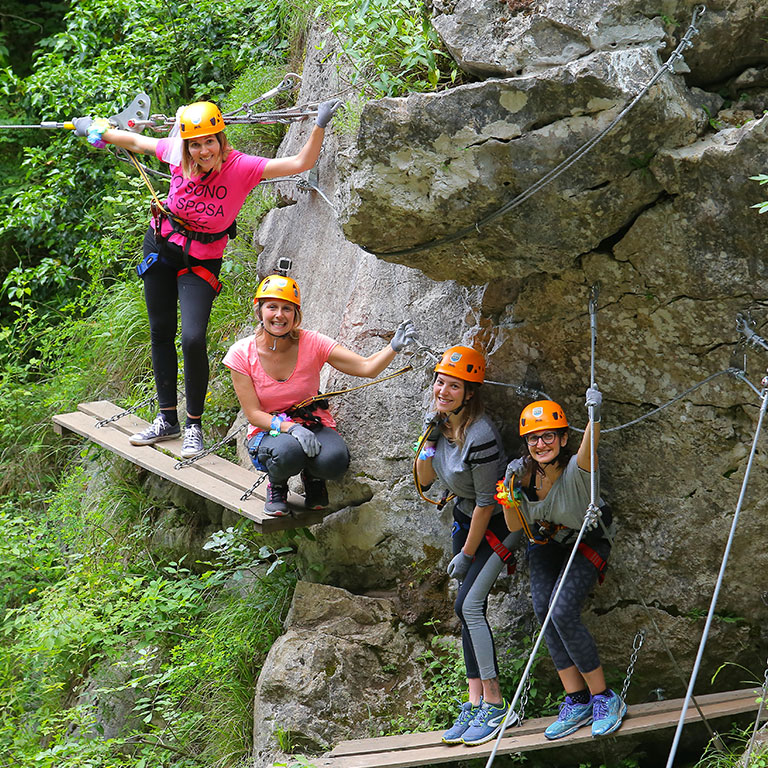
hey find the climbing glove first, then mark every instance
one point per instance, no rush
(432, 427)
(594, 398)
(82, 124)
(307, 440)
(458, 567)
(404, 335)
(326, 111)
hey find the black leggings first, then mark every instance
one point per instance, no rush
(162, 290)
(568, 640)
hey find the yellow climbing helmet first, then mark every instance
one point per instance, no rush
(202, 118)
(278, 287)
(543, 414)
(464, 363)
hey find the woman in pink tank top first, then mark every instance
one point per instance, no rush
(275, 370)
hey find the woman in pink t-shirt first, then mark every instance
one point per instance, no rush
(183, 249)
(279, 367)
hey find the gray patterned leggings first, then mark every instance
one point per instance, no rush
(568, 640)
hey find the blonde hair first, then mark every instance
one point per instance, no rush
(294, 332)
(190, 168)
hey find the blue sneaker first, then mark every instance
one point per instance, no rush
(608, 713)
(572, 716)
(487, 723)
(466, 715)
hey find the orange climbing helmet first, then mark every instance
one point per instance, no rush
(464, 363)
(543, 414)
(202, 118)
(278, 287)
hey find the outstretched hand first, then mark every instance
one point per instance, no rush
(82, 124)
(326, 110)
(404, 335)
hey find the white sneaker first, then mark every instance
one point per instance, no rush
(193, 441)
(158, 430)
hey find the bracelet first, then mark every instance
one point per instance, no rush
(95, 132)
(427, 453)
(277, 420)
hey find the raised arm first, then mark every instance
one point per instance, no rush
(307, 156)
(346, 361)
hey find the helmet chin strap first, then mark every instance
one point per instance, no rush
(274, 336)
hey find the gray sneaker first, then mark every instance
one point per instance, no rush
(193, 441)
(157, 431)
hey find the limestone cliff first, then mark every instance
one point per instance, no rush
(658, 213)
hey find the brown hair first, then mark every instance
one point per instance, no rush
(294, 332)
(190, 168)
(470, 412)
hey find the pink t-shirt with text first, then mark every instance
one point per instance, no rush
(211, 205)
(278, 396)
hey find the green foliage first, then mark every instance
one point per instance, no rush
(186, 644)
(736, 742)
(761, 178)
(390, 45)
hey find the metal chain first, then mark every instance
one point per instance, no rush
(126, 412)
(763, 695)
(248, 493)
(215, 447)
(524, 700)
(637, 644)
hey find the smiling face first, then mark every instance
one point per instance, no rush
(448, 393)
(544, 445)
(205, 151)
(278, 317)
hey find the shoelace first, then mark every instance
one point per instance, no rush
(191, 436)
(464, 716)
(601, 707)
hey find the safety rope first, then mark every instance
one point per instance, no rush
(589, 522)
(324, 395)
(549, 177)
(719, 582)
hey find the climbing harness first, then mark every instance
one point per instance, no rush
(719, 582)
(549, 177)
(507, 556)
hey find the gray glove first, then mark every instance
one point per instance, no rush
(82, 124)
(594, 398)
(307, 440)
(404, 335)
(458, 567)
(516, 468)
(432, 427)
(326, 111)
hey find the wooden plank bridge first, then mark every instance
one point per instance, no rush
(212, 477)
(416, 749)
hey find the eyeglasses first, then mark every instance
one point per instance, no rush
(546, 437)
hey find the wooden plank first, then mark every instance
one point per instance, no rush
(640, 718)
(200, 480)
(432, 738)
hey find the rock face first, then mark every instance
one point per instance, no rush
(516, 37)
(659, 214)
(343, 655)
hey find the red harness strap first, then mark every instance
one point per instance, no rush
(505, 554)
(595, 559)
(205, 274)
